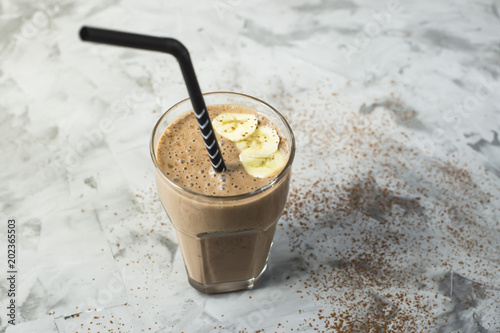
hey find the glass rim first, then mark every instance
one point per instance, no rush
(262, 189)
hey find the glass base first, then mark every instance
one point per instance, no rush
(225, 287)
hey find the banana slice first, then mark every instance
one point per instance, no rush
(262, 167)
(263, 142)
(235, 126)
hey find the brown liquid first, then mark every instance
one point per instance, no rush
(223, 239)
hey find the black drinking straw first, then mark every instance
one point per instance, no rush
(179, 51)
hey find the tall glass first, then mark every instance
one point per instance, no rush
(224, 240)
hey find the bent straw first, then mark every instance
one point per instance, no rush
(179, 51)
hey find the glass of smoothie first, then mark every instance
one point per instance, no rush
(224, 222)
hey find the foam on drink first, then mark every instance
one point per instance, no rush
(182, 156)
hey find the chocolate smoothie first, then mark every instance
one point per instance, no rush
(225, 222)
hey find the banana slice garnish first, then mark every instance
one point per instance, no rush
(258, 145)
(262, 142)
(262, 167)
(235, 126)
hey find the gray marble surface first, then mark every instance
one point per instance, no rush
(392, 223)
